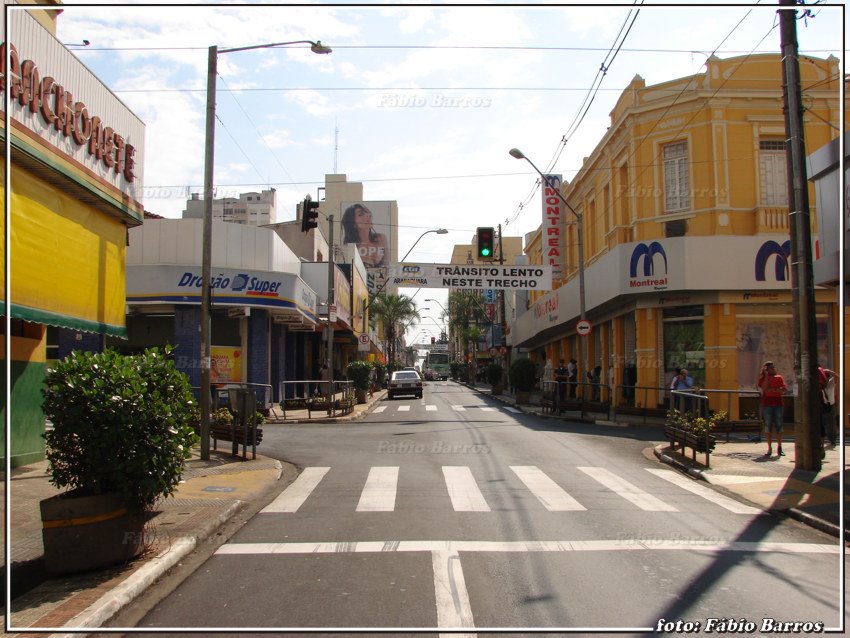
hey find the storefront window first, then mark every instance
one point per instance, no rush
(769, 335)
(684, 345)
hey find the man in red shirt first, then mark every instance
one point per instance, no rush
(772, 387)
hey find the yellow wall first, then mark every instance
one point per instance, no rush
(67, 259)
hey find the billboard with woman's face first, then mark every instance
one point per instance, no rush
(369, 225)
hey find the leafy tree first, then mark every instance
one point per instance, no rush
(394, 312)
(465, 311)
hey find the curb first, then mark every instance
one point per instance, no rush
(113, 601)
(793, 512)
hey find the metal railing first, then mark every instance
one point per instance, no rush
(561, 396)
(220, 397)
(317, 396)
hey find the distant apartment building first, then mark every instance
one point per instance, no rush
(685, 220)
(251, 209)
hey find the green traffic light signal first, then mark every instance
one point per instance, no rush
(486, 237)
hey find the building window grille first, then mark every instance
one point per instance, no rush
(773, 173)
(676, 177)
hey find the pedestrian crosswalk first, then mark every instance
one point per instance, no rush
(462, 487)
(406, 407)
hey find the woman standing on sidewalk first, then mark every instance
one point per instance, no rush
(772, 387)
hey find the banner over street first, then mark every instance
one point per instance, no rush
(471, 277)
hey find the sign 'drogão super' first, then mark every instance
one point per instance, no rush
(46, 98)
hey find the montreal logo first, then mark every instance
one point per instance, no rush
(647, 253)
(780, 265)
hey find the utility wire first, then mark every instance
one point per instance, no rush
(261, 136)
(602, 213)
(603, 69)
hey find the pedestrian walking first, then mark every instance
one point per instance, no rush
(772, 388)
(572, 377)
(682, 381)
(827, 379)
(561, 376)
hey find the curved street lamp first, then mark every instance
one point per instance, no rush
(439, 231)
(518, 154)
(206, 241)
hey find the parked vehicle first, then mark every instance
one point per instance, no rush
(405, 382)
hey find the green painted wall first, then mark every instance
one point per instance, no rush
(26, 418)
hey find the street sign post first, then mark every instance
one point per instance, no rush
(363, 342)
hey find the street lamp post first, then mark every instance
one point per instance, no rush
(206, 239)
(515, 152)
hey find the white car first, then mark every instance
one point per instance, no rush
(405, 382)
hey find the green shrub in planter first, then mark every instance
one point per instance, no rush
(358, 372)
(380, 372)
(494, 374)
(523, 374)
(122, 424)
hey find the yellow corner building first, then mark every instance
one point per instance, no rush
(684, 206)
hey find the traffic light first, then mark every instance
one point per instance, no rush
(309, 215)
(433, 339)
(486, 238)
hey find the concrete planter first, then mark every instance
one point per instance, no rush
(82, 533)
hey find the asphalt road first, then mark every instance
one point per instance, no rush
(456, 511)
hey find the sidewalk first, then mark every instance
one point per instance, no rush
(212, 492)
(740, 468)
(216, 490)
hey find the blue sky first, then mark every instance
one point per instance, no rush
(427, 100)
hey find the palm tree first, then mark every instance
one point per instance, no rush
(393, 312)
(464, 311)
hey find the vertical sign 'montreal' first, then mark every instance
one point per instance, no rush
(554, 243)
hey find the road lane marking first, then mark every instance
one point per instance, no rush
(430, 408)
(556, 546)
(704, 491)
(378, 494)
(453, 608)
(514, 410)
(552, 495)
(483, 409)
(294, 496)
(631, 493)
(458, 408)
(379, 409)
(463, 490)
(404, 408)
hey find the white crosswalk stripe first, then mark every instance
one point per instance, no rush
(431, 408)
(487, 409)
(553, 497)
(458, 408)
(463, 490)
(704, 491)
(404, 408)
(294, 496)
(379, 409)
(628, 491)
(379, 492)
